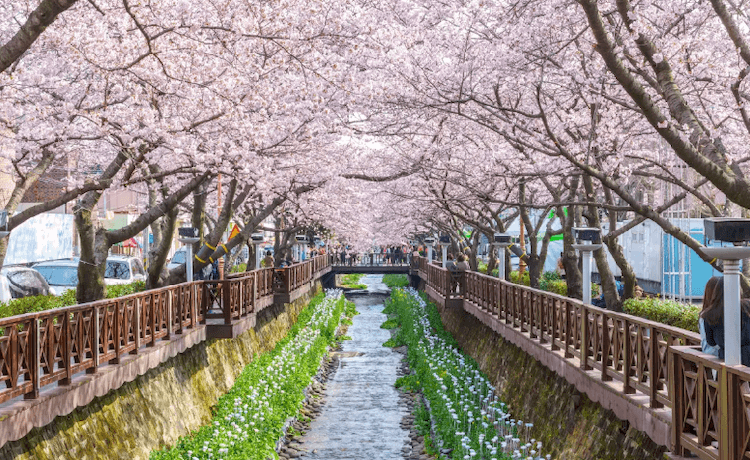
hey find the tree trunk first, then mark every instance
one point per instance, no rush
(157, 275)
(93, 262)
(614, 247)
(607, 279)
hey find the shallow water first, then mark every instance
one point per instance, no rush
(361, 415)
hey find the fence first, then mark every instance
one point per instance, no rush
(710, 402)
(39, 349)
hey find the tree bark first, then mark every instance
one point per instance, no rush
(44, 15)
(607, 279)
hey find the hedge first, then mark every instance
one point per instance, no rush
(48, 302)
(664, 311)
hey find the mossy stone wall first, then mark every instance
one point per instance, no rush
(570, 425)
(158, 407)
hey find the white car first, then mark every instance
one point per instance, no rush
(123, 270)
(62, 275)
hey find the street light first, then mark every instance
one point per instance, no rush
(188, 236)
(430, 242)
(4, 224)
(588, 240)
(736, 231)
(258, 239)
(445, 240)
(502, 241)
(301, 241)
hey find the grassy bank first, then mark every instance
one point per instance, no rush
(249, 420)
(466, 415)
(351, 281)
(395, 281)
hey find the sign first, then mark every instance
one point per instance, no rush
(235, 231)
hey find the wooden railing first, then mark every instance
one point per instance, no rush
(39, 349)
(711, 411)
(295, 276)
(710, 415)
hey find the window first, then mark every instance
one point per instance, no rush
(58, 275)
(117, 270)
(179, 257)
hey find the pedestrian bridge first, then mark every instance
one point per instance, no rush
(652, 375)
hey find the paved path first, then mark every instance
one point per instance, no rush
(361, 416)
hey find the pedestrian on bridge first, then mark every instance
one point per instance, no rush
(268, 260)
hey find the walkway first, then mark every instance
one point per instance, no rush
(361, 415)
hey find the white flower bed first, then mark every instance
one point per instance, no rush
(469, 417)
(250, 418)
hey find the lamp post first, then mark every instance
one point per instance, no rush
(258, 239)
(430, 242)
(736, 231)
(588, 240)
(445, 240)
(188, 236)
(4, 224)
(502, 241)
(301, 240)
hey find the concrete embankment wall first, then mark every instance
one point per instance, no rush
(158, 407)
(570, 425)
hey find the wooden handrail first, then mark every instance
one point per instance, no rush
(39, 349)
(711, 415)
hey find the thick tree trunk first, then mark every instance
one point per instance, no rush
(93, 262)
(157, 275)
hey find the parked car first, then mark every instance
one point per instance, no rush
(61, 275)
(124, 270)
(18, 281)
(178, 258)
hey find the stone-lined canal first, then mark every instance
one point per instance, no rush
(361, 417)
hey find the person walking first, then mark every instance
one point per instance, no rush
(268, 260)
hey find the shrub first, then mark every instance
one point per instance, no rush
(664, 311)
(524, 280)
(239, 268)
(119, 290)
(38, 303)
(395, 281)
(352, 281)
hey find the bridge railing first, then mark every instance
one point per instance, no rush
(711, 411)
(657, 360)
(368, 259)
(39, 349)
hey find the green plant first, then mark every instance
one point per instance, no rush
(395, 281)
(468, 417)
(38, 303)
(664, 311)
(351, 281)
(250, 418)
(239, 268)
(524, 280)
(390, 324)
(408, 383)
